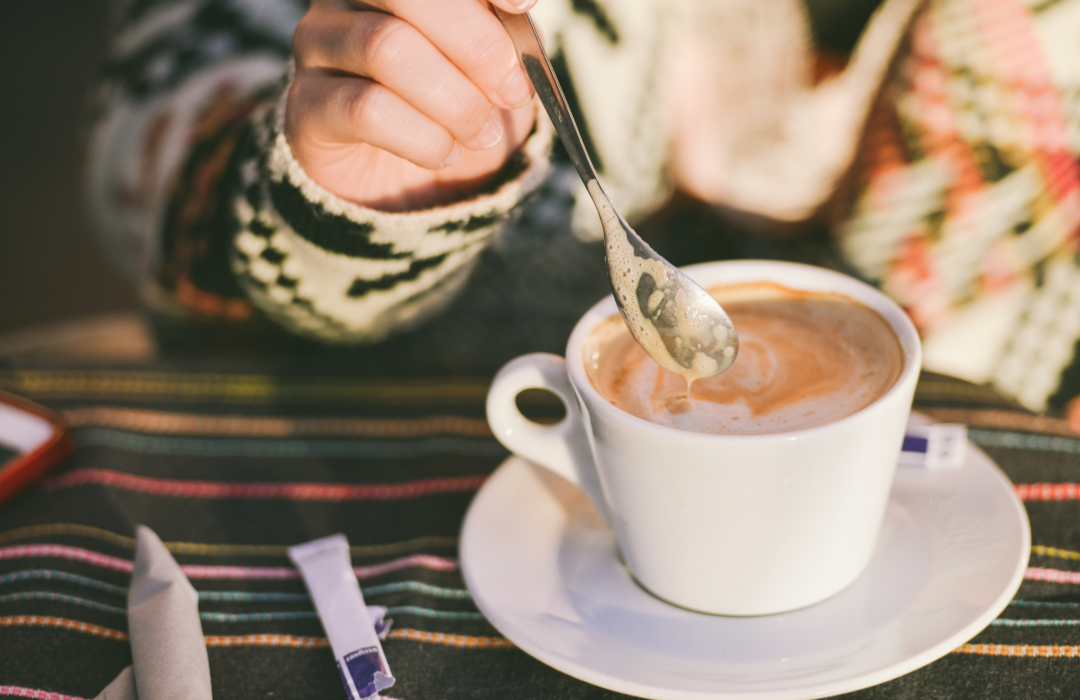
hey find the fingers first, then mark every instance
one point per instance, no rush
(393, 53)
(470, 37)
(330, 109)
(419, 79)
(515, 7)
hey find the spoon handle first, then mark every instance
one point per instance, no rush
(676, 321)
(526, 40)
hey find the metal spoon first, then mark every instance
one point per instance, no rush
(676, 321)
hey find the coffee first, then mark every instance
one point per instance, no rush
(805, 359)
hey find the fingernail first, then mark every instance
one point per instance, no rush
(523, 5)
(490, 135)
(516, 91)
(455, 155)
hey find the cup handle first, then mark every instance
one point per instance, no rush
(563, 447)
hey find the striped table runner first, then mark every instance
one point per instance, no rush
(230, 469)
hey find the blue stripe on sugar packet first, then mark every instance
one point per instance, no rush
(362, 665)
(913, 443)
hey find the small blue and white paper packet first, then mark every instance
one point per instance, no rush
(354, 628)
(933, 445)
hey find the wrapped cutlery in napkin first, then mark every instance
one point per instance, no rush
(122, 687)
(168, 652)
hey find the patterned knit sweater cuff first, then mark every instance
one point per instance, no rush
(325, 267)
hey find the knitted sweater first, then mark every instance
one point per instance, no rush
(197, 189)
(965, 202)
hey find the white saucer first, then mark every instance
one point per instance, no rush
(543, 568)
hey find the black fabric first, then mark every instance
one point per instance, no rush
(599, 16)
(331, 232)
(361, 286)
(192, 46)
(838, 24)
(1069, 384)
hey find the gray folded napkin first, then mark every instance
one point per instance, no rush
(168, 653)
(122, 687)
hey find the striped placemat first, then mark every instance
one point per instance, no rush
(230, 469)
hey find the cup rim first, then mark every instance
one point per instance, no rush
(901, 324)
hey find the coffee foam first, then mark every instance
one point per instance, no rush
(805, 359)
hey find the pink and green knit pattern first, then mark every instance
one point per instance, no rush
(971, 186)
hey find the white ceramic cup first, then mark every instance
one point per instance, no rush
(724, 524)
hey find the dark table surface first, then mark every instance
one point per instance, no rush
(182, 452)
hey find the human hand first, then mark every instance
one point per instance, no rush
(406, 104)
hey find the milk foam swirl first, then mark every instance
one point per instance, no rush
(805, 359)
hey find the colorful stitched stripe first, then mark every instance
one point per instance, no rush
(238, 596)
(1042, 604)
(67, 529)
(204, 549)
(164, 423)
(418, 587)
(267, 640)
(439, 614)
(404, 609)
(1002, 420)
(282, 597)
(61, 598)
(1036, 573)
(58, 551)
(1008, 622)
(236, 617)
(238, 388)
(258, 447)
(1018, 650)
(312, 615)
(424, 561)
(267, 573)
(1044, 551)
(1023, 441)
(288, 640)
(20, 692)
(454, 640)
(259, 617)
(296, 491)
(253, 597)
(50, 575)
(263, 640)
(34, 694)
(1048, 492)
(63, 623)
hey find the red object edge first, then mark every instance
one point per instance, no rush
(24, 469)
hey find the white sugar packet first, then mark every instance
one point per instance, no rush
(354, 629)
(934, 445)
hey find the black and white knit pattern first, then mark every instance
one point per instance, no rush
(324, 267)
